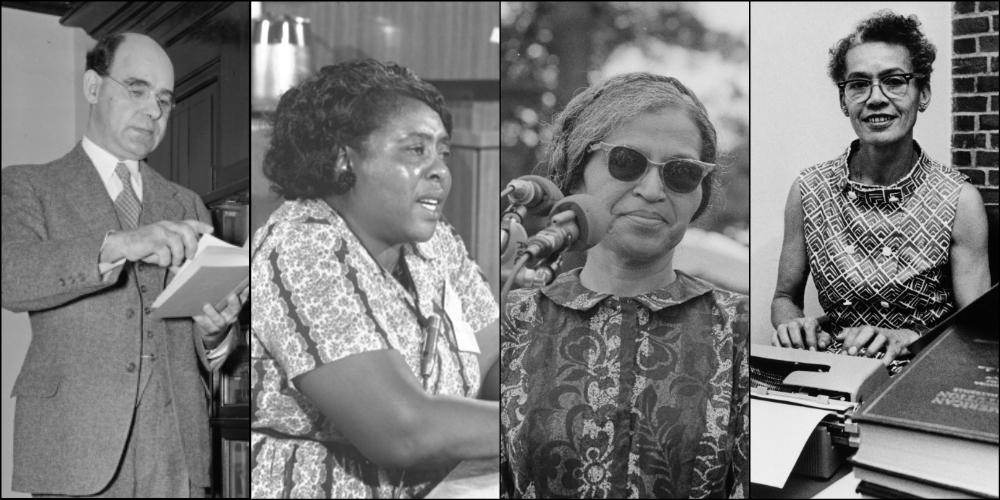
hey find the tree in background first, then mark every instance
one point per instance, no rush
(550, 50)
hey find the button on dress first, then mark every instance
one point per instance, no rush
(320, 297)
(611, 397)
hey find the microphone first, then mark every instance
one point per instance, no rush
(535, 193)
(518, 236)
(530, 194)
(429, 350)
(578, 222)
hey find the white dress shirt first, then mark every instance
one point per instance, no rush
(106, 164)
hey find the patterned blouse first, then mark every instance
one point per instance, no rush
(879, 254)
(611, 397)
(320, 297)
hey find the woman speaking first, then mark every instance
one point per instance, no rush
(627, 378)
(373, 329)
(894, 239)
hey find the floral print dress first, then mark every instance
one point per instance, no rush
(611, 397)
(320, 297)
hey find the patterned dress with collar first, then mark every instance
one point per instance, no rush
(320, 297)
(880, 254)
(611, 397)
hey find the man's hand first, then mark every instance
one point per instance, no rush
(164, 243)
(872, 339)
(215, 323)
(801, 333)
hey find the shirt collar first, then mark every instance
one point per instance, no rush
(320, 210)
(105, 161)
(898, 192)
(568, 292)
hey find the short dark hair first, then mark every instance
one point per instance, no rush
(102, 56)
(341, 105)
(888, 27)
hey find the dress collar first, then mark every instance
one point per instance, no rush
(568, 292)
(318, 210)
(894, 194)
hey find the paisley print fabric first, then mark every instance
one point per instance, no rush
(320, 297)
(879, 255)
(611, 397)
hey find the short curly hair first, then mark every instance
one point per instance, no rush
(600, 109)
(341, 105)
(888, 27)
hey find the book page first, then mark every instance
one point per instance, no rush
(217, 270)
(779, 433)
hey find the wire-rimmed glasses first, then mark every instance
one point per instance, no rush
(680, 175)
(859, 89)
(139, 92)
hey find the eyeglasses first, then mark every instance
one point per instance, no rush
(680, 175)
(859, 90)
(139, 92)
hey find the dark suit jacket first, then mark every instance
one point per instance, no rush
(77, 390)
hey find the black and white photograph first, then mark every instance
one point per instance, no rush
(500, 249)
(125, 197)
(874, 260)
(625, 239)
(375, 258)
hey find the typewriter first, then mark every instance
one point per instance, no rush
(821, 380)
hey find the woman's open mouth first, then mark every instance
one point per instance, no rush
(431, 205)
(879, 121)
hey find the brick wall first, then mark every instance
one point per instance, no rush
(974, 141)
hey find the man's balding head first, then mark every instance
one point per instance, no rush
(127, 126)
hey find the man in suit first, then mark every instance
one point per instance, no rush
(110, 402)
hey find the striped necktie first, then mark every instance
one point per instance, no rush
(127, 203)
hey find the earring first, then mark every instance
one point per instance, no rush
(343, 178)
(844, 109)
(923, 107)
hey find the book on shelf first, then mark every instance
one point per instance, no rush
(936, 421)
(217, 270)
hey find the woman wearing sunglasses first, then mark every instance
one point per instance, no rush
(628, 378)
(373, 330)
(894, 240)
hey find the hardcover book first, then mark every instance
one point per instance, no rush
(951, 387)
(937, 421)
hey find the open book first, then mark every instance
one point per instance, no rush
(217, 270)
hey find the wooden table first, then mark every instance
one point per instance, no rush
(471, 479)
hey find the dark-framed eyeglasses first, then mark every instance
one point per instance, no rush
(859, 89)
(139, 92)
(680, 175)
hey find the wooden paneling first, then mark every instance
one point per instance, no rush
(262, 201)
(206, 147)
(473, 206)
(488, 237)
(437, 40)
(192, 142)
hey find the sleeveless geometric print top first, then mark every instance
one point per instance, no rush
(880, 254)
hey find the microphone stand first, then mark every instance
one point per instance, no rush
(513, 213)
(542, 272)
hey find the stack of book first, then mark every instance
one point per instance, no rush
(932, 431)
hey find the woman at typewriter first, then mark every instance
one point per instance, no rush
(627, 378)
(894, 240)
(367, 309)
